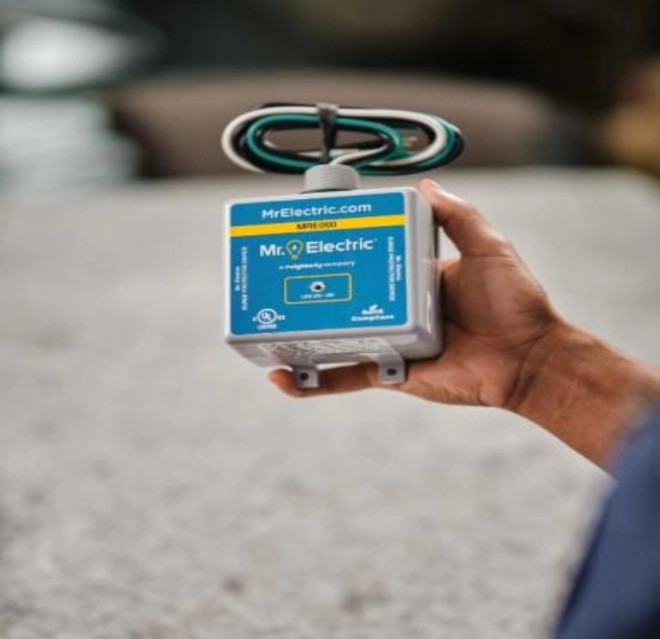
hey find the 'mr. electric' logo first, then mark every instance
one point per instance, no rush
(296, 248)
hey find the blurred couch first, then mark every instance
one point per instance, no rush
(576, 51)
(177, 122)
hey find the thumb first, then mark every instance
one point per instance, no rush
(465, 226)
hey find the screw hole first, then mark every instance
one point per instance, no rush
(303, 377)
(391, 372)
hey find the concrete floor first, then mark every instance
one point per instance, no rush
(153, 486)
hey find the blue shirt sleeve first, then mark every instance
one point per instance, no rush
(617, 591)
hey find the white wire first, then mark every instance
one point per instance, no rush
(433, 149)
(315, 155)
(437, 145)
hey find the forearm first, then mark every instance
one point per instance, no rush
(583, 391)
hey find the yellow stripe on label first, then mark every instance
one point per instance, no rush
(318, 225)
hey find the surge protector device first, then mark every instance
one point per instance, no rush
(333, 276)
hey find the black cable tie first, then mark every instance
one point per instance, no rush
(328, 122)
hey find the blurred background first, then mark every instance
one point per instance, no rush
(152, 484)
(99, 91)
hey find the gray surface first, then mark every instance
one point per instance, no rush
(153, 486)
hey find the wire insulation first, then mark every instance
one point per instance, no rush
(386, 151)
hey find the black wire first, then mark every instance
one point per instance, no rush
(240, 145)
(328, 123)
(381, 140)
(457, 149)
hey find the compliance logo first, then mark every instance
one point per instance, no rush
(267, 318)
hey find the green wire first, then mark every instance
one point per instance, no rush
(398, 151)
(291, 163)
(432, 161)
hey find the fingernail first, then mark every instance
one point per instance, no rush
(431, 184)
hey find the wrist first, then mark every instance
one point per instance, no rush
(582, 390)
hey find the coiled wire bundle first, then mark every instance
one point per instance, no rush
(393, 141)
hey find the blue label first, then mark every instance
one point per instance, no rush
(321, 263)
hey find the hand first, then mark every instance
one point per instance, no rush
(505, 346)
(495, 312)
